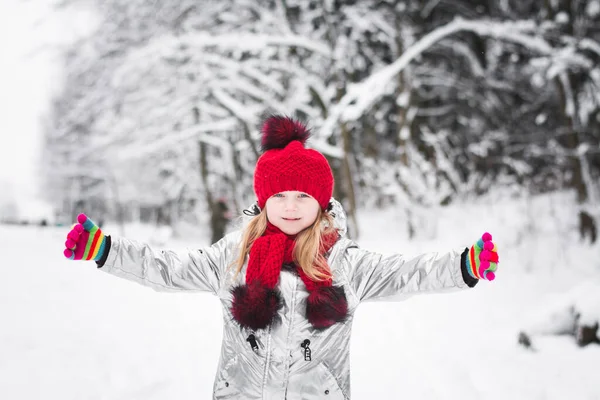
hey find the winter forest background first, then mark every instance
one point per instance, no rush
(428, 111)
(415, 103)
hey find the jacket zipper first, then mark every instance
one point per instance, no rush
(288, 340)
(267, 360)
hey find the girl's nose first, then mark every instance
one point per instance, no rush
(290, 204)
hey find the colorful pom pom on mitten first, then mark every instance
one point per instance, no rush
(85, 241)
(482, 260)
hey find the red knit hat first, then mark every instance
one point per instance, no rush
(287, 165)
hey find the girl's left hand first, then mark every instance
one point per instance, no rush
(482, 260)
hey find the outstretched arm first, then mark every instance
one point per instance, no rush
(377, 277)
(165, 270)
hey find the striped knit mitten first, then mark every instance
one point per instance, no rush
(85, 241)
(482, 260)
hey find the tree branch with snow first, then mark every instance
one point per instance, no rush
(361, 96)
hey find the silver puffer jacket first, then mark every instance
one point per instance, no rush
(291, 360)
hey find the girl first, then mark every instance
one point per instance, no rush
(290, 282)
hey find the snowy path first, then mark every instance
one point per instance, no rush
(70, 332)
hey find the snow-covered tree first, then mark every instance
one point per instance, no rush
(414, 103)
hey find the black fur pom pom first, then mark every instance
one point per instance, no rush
(255, 306)
(326, 306)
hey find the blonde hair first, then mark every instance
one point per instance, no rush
(306, 250)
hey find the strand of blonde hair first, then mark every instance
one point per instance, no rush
(306, 250)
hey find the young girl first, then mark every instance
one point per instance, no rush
(289, 283)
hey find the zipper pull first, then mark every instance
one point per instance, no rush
(307, 352)
(260, 344)
(252, 340)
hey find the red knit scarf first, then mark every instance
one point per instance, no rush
(256, 303)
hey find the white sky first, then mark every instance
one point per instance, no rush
(31, 35)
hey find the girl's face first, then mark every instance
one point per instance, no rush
(292, 211)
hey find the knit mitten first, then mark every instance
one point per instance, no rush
(482, 260)
(85, 241)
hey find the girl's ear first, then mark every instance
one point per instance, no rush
(253, 210)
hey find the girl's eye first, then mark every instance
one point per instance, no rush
(278, 195)
(304, 195)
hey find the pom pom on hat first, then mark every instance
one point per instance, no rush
(279, 131)
(287, 165)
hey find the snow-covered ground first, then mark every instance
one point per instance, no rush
(69, 331)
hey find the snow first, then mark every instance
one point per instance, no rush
(541, 118)
(72, 332)
(164, 45)
(360, 96)
(198, 133)
(593, 8)
(562, 17)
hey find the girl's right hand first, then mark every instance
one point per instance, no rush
(85, 241)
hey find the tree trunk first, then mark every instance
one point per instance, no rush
(404, 125)
(587, 225)
(348, 179)
(210, 203)
(219, 219)
(238, 174)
